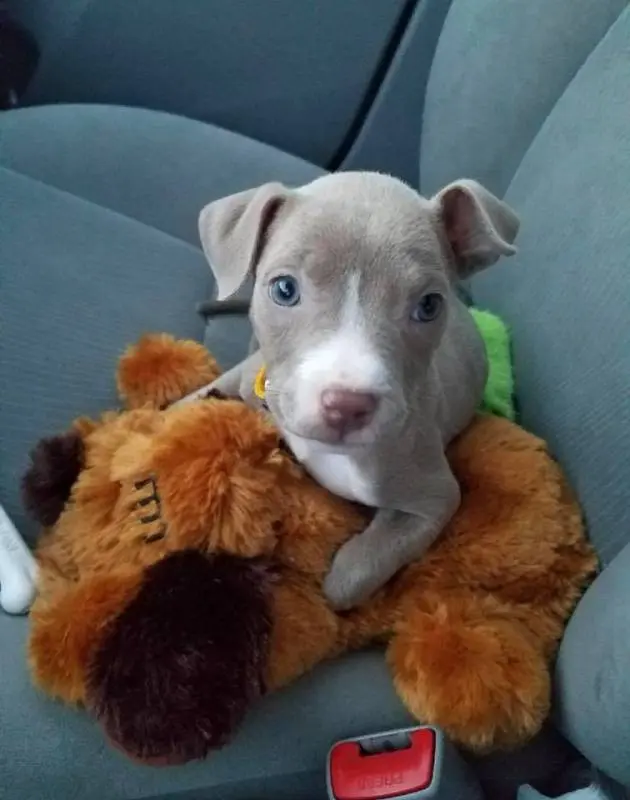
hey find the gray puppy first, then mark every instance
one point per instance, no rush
(372, 363)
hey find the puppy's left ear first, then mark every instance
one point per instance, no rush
(233, 233)
(479, 227)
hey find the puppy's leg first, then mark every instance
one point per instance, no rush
(237, 382)
(393, 539)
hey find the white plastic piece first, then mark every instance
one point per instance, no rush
(18, 569)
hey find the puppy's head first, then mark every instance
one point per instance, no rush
(353, 279)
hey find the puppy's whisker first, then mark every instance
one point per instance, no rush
(275, 392)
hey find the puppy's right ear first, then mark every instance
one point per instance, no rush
(479, 227)
(233, 231)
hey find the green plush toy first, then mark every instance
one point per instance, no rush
(498, 398)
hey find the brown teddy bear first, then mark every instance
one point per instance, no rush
(184, 550)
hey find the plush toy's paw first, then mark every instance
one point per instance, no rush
(184, 661)
(55, 466)
(477, 675)
(353, 576)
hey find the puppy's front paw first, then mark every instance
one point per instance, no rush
(210, 390)
(353, 577)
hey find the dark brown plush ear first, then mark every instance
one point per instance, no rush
(185, 660)
(55, 465)
(479, 227)
(232, 232)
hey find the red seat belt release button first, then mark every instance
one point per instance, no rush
(358, 774)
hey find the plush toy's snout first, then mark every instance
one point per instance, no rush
(184, 661)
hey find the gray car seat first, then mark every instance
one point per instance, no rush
(98, 244)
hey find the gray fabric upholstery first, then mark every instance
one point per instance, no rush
(388, 139)
(593, 692)
(567, 293)
(157, 168)
(498, 70)
(228, 337)
(289, 74)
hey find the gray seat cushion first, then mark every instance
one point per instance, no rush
(497, 73)
(157, 168)
(593, 702)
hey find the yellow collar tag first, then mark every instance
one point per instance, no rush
(259, 384)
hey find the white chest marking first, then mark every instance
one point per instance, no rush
(339, 472)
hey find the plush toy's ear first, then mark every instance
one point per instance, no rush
(177, 670)
(159, 370)
(233, 230)
(55, 465)
(479, 227)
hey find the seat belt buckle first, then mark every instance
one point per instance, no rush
(406, 764)
(396, 765)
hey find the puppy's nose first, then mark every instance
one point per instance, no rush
(345, 410)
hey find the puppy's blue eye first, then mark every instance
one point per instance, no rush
(284, 291)
(429, 308)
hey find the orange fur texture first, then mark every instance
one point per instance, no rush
(470, 630)
(153, 372)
